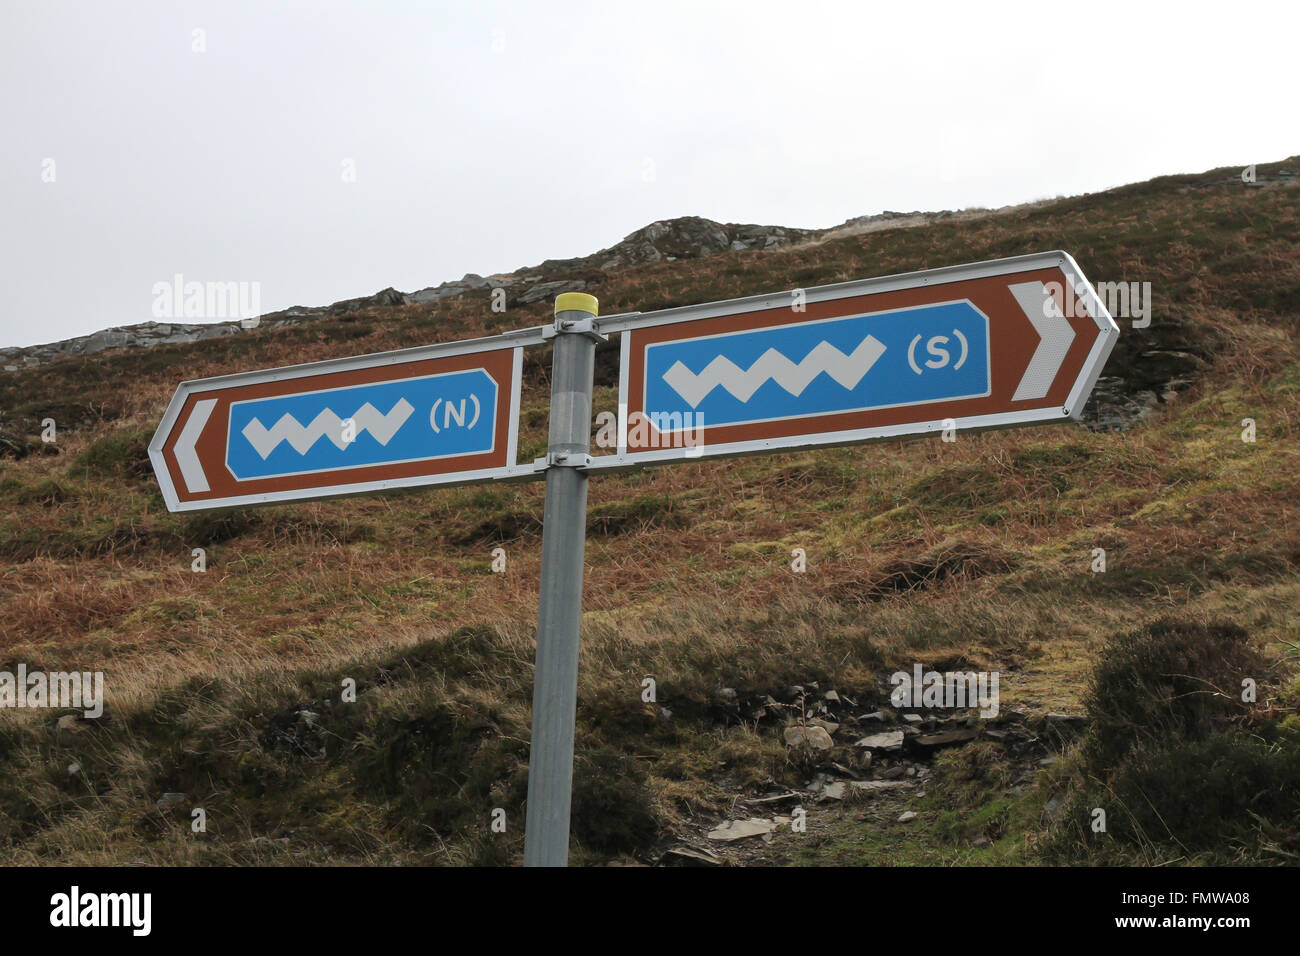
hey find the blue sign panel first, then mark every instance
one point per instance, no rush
(384, 423)
(909, 356)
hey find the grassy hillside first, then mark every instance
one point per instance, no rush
(224, 686)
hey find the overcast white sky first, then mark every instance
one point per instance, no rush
(487, 136)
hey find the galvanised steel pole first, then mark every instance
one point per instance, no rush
(564, 539)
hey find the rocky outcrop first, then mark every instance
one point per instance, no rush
(128, 336)
(690, 237)
(450, 290)
(668, 240)
(385, 297)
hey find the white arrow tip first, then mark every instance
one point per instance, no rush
(1054, 337)
(186, 456)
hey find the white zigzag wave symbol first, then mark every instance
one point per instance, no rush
(848, 370)
(367, 419)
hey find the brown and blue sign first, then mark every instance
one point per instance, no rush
(435, 415)
(1010, 342)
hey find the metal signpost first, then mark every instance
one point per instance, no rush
(996, 344)
(559, 612)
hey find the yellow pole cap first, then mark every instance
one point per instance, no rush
(576, 302)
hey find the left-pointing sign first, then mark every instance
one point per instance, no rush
(440, 414)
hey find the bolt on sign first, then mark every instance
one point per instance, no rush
(996, 344)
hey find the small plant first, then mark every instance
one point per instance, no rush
(612, 813)
(1175, 679)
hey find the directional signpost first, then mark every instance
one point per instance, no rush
(1011, 342)
(440, 414)
(996, 344)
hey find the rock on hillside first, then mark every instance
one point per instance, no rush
(142, 335)
(689, 237)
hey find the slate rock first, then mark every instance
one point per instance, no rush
(887, 740)
(811, 737)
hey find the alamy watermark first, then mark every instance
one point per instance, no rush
(641, 431)
(76, 690)
(950, 690)
(179, 299)
(1123, 300)
(76, 908)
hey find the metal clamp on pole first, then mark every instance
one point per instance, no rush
(577, 304)
(564, 538)
(562, 459)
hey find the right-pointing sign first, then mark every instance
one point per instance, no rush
(995, 344)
